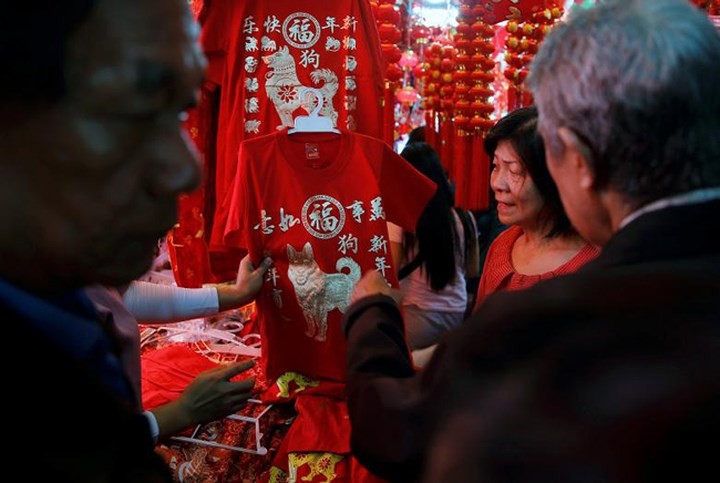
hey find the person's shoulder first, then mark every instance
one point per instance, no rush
(259, 154)
(508, 236)
(501, 246)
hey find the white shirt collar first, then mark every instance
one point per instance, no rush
(692, 197)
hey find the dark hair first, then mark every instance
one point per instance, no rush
(436, 234)
(519, 128)
(33, 39)
(417, 135)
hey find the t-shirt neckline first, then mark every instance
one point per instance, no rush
(336, 165)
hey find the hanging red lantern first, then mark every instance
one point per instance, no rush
(487, 63)
(514, 60)
(462, 105)
(461, 121)
(461, 90)
(478, 91)
(462, 59)
(463, 44)
(482, 45)
(408, 60)
(391, 52)
(407, 95)
(420, 33)
(389, 33)
(393, 72)
(387, 13)
(478, 28)
(463, 29)
(482, 76)
(460, 76)
(446, 91)
(481, 123)
(482, 108)
(478, 10)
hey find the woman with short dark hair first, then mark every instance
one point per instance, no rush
(540, 243)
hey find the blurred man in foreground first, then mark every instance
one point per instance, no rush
(92, 160)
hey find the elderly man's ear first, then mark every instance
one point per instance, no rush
(578, 155)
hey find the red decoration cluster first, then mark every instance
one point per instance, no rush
(387, 18)
(522, 43)
(472, 82)
(474, 76)
(712, 7)
(437, 71)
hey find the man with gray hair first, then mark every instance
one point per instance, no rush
(609, 374)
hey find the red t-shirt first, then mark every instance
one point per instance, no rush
(317, 203)
(262, 54)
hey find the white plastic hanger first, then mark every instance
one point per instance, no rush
(313, 122)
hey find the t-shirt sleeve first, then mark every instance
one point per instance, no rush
(405, 190)
(219, 19)
(236, 223)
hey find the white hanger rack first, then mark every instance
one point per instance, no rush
(208, 342)
(313, 122)
(259, 449)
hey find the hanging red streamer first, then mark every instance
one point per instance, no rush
(446, 143)
(461, 165)
(389, 113)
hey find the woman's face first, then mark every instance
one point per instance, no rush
(519, 201)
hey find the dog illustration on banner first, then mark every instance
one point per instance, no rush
(318, 292)
(287, 93)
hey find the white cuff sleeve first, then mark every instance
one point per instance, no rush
(150, 302)
(154, 428)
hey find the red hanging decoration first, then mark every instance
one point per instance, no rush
(472, 80)
(524, 37)
(389, 112)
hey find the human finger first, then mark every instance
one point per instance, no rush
(232, 370)
(244, 386)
